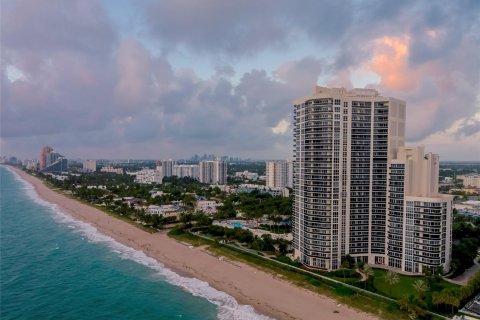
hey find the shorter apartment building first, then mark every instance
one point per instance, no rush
(470, 180)
(110, 169)
(207, 206)
(247, 188)
(419, 219)
(167, 211)
(147, 176)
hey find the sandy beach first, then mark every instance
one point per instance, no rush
(269, 295)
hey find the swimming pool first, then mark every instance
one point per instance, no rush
(237, 225)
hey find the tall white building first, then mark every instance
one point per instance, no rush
(290, 173)
(213, 172)
(187, 170)
(279, 173)
(89, 165)
(167, 167)
(344, 144)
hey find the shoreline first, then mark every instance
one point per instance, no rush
(267, 294)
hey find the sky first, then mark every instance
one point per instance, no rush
(125, 79)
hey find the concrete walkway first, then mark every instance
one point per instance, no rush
(468, 274)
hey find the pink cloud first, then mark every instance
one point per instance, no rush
(133, 68)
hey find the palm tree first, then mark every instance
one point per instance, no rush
(392, 279)
(345, 265)
(369, 273)
(420, 286)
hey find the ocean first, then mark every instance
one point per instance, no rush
(53, 266)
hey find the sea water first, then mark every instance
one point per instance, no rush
(53, 266)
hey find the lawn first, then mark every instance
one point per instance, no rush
(405, 286)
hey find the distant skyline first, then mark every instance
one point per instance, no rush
(169, 79)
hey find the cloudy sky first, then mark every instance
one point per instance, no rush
(157, 79)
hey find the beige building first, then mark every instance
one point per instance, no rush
(470, 180)
(187, 170)
(344, 143)
(279, 173)
(213, 172)
(110, 169)
(419, 230)
(89, 165)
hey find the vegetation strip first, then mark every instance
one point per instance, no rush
(310, 273)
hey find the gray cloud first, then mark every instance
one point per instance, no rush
(85, 86)
(233, 27)
(63, 49)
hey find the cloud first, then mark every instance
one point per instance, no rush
(282, 127)
(458, 142)
(71, 78)
(232, 27)
(62, 49)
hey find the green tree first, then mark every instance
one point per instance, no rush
(369, 273)
(421, 286)
(392, 279)
(412, 306)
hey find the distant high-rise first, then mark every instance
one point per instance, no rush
(89, 165)
(167, 167)
(187, 170)
(345, 145)
(213, 172)
(43, 156)
(51, 161)
(278, 173)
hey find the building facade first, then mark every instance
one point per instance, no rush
(147, 176)
(167, 167)
(51, 161)
(43, 156)
(89, 165)
(213, 172)
(470, 180)
(279, 173)
(110, 169)
(419, 232)
(187, 170)
(344, 143)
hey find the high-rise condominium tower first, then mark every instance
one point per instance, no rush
(43, 156)
(167, 167)
(89, 165)
(213, 172)
(51, 161)
(344, 143)
(279, 173)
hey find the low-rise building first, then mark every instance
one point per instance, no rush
(147, 176)
(110, 169)
(262, 189)
(470, 180)
(206, 206)
(167, 211)
(97, 187)
(468, 208)
(246, 175)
